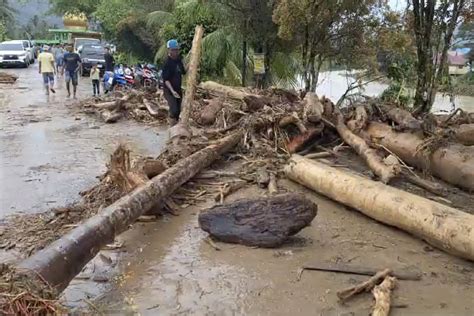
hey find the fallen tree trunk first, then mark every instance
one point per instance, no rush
(453, 163)
(441, 226)
(250, 102)
(372, 159)
(465, 134)
(61, 261)
(262, 222)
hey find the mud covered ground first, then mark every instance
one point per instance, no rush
(166, 267)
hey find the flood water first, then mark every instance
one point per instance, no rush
(333, 84)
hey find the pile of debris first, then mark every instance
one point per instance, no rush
(7, 78)
(270, 126)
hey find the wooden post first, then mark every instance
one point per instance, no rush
(192, 75)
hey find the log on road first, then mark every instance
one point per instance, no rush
(263, 222)
(453, 163)
(61, 261)
(441, 226)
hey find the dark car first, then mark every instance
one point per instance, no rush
(90, 55)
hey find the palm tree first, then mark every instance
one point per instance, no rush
(222, 50)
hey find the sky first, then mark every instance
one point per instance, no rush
(398, 5)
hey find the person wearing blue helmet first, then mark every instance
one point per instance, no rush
(172, 73)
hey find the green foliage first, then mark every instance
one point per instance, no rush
(397, 93)
(88, 7)
(109, 13)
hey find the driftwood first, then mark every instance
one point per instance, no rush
(372, 159)
(272, 184)
(453, 162)
(465, 134)
(263, 222)
(250, 102)
(382, 294)
(228, 189)
(402, 274)
(293, 119)
(110, 116)
(209, 113)
(365, 286)
(403, 118)
(151, 107)
(312, 108)
(429, 186)
(360, 119)
(61, 261)
(441, 226)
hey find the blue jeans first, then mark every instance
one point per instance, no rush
(48, 78)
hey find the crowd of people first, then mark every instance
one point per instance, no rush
(61, 61)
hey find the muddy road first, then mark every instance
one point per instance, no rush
(167, 267)
(48, 152)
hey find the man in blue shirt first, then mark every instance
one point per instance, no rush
(72, 65)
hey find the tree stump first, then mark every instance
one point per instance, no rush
(262, 222)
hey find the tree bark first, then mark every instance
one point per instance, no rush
(61, 261)
(360, 119)
(403, 118)
(441, 226)
(192, 76)
(364, 286)
(313, 108)
(453, 163)
(244, 63)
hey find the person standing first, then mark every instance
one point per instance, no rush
(109, 60)
(172, 73)
(72, 65)
(95, 76)
(58, 57)
(47, 69)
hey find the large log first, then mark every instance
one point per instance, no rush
(465, 134)
(61, 261)
(373, 160)
(441, 226)
(192, 76)
(453, 163)
(250, 102)
(263, 222)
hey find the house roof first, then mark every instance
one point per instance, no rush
(457, 59)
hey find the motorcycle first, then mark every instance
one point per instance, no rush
(119, 81)
(129, 77)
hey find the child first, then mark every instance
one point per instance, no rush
(95, 76)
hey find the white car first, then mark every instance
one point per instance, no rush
(15, 53)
